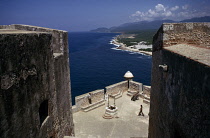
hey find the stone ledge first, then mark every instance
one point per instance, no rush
(117, 95)
(93, 106)
(131, 93)
(146, 101)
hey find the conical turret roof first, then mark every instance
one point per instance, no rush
(128, 75)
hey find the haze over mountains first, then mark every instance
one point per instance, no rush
(145, 25)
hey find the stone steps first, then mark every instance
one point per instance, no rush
(93, 106)
(131, 93)
(146, 97)
(146, 101)
(116, 96)
(107, 116)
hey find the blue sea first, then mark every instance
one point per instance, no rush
(94, 64)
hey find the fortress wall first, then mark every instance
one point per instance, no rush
(135, 86)
(60, 95)
(26, 81)
(59, 43)
(179, 102)
(197, 34)
(82, 100)
(117, 88)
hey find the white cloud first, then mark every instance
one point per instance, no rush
(167, 14)
(159, 8)
(174, 8)
(161, 12)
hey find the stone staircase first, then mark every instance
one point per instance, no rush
(131, 93)
(117, 95)
(93, 106)
(107, 116)
(146, 99)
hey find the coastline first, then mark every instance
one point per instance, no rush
(123, 47)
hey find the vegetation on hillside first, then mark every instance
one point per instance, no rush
(143, 35)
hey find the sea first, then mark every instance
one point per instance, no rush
(96, 63)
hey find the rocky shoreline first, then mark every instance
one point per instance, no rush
(122, 46)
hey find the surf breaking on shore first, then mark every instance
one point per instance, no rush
(123, 47)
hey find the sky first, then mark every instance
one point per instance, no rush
(84, 15)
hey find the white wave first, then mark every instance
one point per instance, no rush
(116, 49)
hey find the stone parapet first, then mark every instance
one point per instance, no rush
(146, 90)
(117, 88)
(135, 86)
(82, 100)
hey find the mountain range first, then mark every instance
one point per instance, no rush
(145, 25)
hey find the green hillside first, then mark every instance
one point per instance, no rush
(143, 35)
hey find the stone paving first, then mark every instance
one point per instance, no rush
(127, 124)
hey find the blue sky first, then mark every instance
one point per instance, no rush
(83, 15)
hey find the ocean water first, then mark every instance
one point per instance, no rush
(95, 63)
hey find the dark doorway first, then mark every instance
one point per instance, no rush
(43, 111)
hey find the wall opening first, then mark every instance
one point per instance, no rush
(177, 131)
(43, 111)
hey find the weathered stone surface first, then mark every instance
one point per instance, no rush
(169, 34)
(31, 77)
(147, 90)
(180, 105)
(135, 86)
(82, 100)
(117, 88)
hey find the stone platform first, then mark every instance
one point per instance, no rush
(126, 124)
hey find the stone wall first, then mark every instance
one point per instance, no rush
(58, 39)
(117, 88)
(197, 34)
(135, 86)
(34, 68)
(82, 100)
(179, 102)
(146, 90)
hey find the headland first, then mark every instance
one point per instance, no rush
(140, 47)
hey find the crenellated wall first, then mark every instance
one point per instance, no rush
(34, 67)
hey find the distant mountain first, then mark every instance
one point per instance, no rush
(198, 19)
(102, 29)
(137, 26)
(145, 25)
